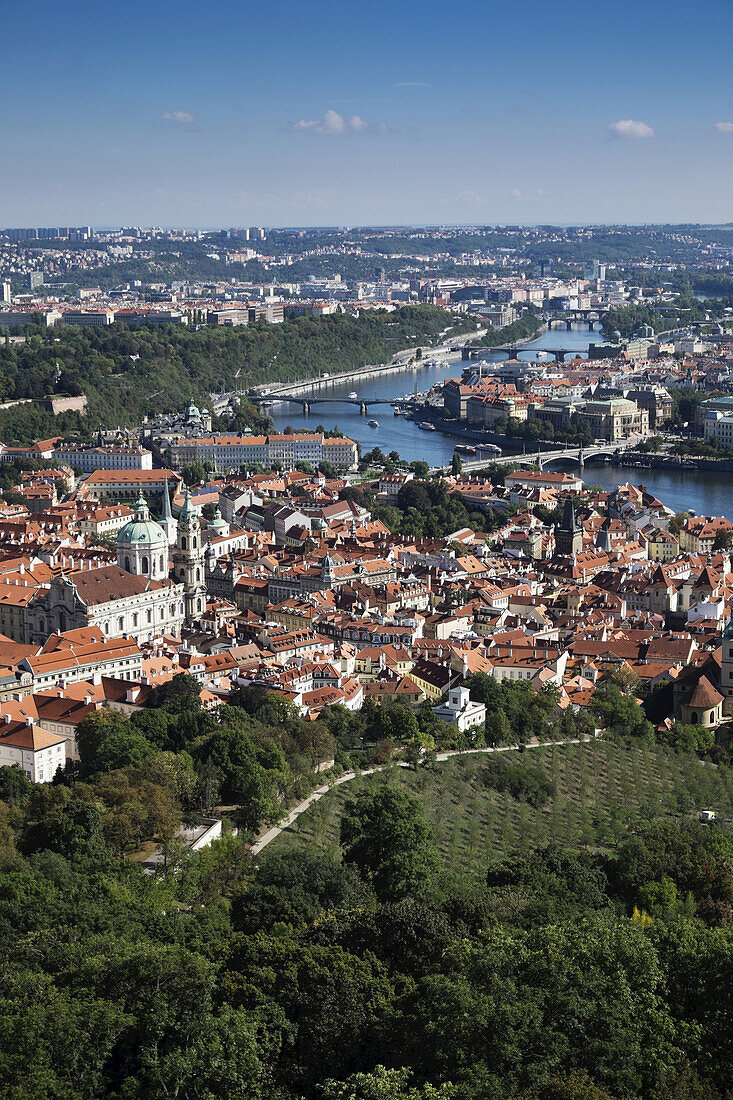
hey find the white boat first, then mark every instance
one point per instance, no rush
(373, 423)
(353, 394)
(427, 427)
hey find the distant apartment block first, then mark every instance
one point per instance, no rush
(92, 318)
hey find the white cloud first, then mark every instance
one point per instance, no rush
(724, 127)
(334, 124)
(629, 128)
(182, 118)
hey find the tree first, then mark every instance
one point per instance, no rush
(456, 464)
(194, 473)
(293, 888)
(67, 824)
(121, 747)
(385, 1084)
(723, 540)
(384, 835)
(621, 714)
(420, 469)
(94, 730)
(15, 785)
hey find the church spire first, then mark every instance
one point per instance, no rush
(168, 523)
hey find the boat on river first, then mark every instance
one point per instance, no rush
(353, 395)
(373, 423)
(426, 427)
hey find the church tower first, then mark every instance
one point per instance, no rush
(188, 559)
(569, 534)
(167, 521)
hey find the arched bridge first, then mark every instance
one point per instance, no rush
(544, 459)
(511, 351)
(306, 402)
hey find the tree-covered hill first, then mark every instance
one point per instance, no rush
(590, 964)
(128, 372)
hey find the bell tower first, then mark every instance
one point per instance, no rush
(188, 560)
(569, 534)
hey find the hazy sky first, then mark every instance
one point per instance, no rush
(323, 113)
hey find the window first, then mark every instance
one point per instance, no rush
(120, 623)
(184, 545)
(149, 616)
(127, 564)
(145, 563)
(135, 619)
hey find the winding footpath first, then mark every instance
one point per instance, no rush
(294, 814)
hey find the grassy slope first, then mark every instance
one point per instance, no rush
(601, 787)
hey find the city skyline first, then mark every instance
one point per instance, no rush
(337, 117)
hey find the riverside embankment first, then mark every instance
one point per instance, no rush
(402, 361)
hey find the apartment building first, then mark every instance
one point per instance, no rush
(92, 318)
(88, 459)
(232, 452)
(128, 484)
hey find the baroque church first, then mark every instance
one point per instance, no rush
(137, 597)
(143, 548)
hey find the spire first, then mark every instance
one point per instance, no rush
(167, 514)
(167, 520)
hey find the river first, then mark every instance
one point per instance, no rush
(394, 432)
(702, 491)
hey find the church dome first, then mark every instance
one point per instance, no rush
(142, 545)
(219, 525)
(141, 529)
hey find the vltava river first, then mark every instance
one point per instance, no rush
(702, 491)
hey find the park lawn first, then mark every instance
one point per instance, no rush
(601, 789)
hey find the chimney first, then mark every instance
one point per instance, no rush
(28, 720)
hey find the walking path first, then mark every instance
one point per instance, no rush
(348, 776)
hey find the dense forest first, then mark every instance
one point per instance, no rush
(377, 971)
(128, 373)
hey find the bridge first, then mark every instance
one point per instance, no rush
(544, 459)
(511, 351)
(574, 317)
(307, 402)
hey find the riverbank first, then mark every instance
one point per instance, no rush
(401, 361)
(675, 462)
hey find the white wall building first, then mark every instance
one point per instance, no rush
(460, 711)
(36, 751)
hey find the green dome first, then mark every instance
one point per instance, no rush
(140, 531)
(218, 523)
(141, 528)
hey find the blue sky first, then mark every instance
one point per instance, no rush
(327, 113)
